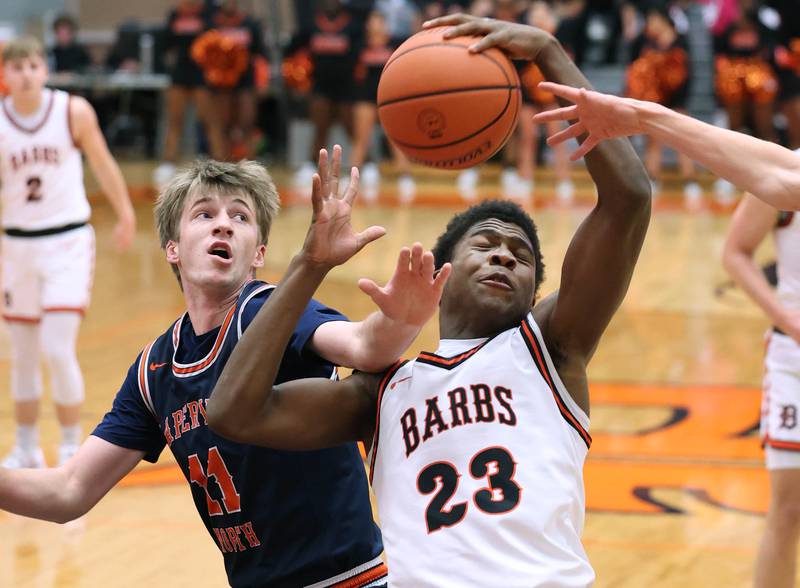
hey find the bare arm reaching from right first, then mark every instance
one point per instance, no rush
(767, 170)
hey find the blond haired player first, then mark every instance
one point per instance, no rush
(47, 243)
(780, 406)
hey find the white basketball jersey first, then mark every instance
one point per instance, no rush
(477, 467)
(41, 170)
(787, 246)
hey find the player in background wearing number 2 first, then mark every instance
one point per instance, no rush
(47, 244)
(477, 451)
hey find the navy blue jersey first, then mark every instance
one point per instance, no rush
(280, 518)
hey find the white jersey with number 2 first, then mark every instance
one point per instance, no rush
(477, 467)
(40, 167)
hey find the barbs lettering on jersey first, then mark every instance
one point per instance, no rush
(481, 404)
(33, 155)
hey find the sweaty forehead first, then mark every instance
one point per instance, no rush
(500, 228)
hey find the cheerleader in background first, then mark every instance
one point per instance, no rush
(236, 101)
(377, 50)
(787, 66)
(185, 23)
(659, 72)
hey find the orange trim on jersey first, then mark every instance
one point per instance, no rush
(562, 407)
(364, 578)
(21, 319)
(787, 445)
(213, 354)
(41, 123)
(449, 361)
(381, 387)
(79, 309)
(143, 388)
(337, 25)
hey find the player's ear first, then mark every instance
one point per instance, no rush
(171, 250)
(258, 260)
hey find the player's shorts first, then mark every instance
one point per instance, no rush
(780, 403)
(52, 273)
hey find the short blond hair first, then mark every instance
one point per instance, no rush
(245, 177)
(22, 48)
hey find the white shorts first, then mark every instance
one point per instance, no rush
(780, 403)
(47, 274)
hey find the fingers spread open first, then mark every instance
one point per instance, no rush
(560, 90)
(352, 188)
(572, 131)
(442, 276)
(403, 260)
(316, 196)
(416, 258)
(427, 266)
(565, 113)
(336, 166)
(450, 19)
(368, 236)
(322, 170)
(589, 144)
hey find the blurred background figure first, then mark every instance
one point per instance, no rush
(659, 72)
(377, 49)
(333, 41)
(235, 99)
(185, 23)
(67, 55)
(787, 66)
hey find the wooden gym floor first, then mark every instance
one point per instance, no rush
(675, 483)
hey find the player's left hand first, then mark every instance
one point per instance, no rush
(331, 240)
(123, 234)
(412, 294)
(518, 40)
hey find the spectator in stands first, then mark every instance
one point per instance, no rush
(378, 47)
(236, 105)
(746, 84)
(659, 72)
(333, 41)
(67, 55)
(787, 66)
(185, 23)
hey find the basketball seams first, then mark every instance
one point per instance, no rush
(509, 81)
(406, 94)
(468, 137)
(445, 92)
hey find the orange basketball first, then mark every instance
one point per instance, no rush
(444, 106)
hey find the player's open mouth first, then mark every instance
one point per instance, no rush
(221, 250)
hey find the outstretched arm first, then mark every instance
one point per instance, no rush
(64, 493)
(767, 170)
(600, 259)
(405, 304)
(90, 140)
(246, 405)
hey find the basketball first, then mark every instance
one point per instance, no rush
(446, 107)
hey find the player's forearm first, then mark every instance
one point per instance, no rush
(750, 278)
(242, 393)
(383, 341)
(769, 171)
(614, 166)
(44, 494)
(112, 183)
